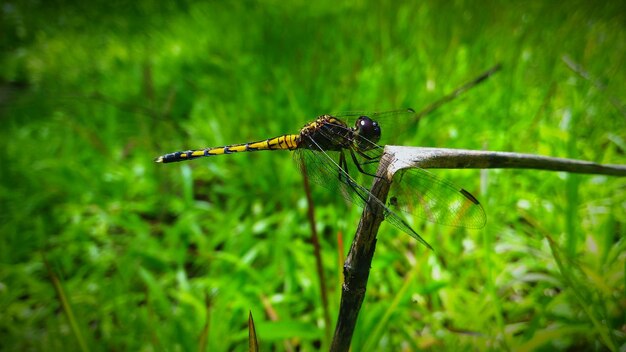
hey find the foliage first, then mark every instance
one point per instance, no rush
(102, 249)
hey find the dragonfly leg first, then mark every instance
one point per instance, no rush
(344, 176)
(343, 166)
(358, 164)
(369, 159)
(365, 156)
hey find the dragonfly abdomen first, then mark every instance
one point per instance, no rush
(284, 142)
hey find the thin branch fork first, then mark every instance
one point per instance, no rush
(359, 260)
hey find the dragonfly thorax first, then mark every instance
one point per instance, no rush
(366, 132)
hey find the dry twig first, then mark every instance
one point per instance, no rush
(358, 262)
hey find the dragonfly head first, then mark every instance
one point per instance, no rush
(365, 130)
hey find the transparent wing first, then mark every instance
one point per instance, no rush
(420, 193)
(325, 168)
(389, 118)
(376, 114)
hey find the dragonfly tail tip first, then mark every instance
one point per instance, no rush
(158, 160)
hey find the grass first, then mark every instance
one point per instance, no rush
(143, 256)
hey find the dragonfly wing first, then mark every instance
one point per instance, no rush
(401, 119)
(384, 116)
(419, 192)
(326, 169)
(323, 168)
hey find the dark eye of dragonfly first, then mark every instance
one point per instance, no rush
(368, 129)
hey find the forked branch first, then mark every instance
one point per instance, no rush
(358, 262)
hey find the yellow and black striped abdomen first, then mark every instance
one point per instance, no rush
(285, 142)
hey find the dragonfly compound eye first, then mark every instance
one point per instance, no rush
(366, 130)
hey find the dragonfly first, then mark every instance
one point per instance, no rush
(327, 147)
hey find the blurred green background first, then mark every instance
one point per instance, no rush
(102, 249)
